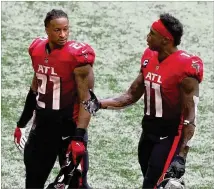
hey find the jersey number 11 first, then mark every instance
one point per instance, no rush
(158, 99)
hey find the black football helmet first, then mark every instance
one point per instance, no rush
(171, 183)
(68, 176)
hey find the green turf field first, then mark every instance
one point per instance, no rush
(117, 32)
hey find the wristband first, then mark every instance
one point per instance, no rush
(79, 134)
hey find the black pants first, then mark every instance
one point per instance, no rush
(49, 138)
(155, 154)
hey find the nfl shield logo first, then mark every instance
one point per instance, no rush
(46, 60)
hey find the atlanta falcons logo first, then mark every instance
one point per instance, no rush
(196, 65)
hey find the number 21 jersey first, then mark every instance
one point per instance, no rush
(54, 72)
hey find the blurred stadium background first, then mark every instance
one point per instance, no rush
(117, 31)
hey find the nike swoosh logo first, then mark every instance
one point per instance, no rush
(63, 138)
(195, 61)
(60, 179)
(77, 144)
(83, 51)
(161, 138)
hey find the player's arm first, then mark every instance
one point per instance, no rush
(27, 113)
(84, 78)
(190, 96)
(131, 96)
(189, 91)
(34, 84)
(30, 104)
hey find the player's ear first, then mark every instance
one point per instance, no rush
(165, 41)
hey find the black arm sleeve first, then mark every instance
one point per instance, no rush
(30, 105)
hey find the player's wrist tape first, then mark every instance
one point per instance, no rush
(30, 105)
(79, 134)
(187, 122)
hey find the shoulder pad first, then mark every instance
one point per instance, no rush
(35, 43)
(146, 56)
(193, 66)
(83, 53)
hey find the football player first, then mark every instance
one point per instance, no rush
(63, 74)
(169, 80)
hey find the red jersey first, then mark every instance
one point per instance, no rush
(54, 72)
(162, 82)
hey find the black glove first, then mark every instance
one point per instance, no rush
(177, 168)
(92, 105)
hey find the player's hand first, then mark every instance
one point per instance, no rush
(19, 138)
(92, 105)
(77, 147)
(177, 167)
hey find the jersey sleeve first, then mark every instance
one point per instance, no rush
(34, 44)
(194, 68)
(84, 55)
(144, 59)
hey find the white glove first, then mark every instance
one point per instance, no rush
(19, 138)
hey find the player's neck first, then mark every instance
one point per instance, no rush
(48, 49)
(163, 54)
(53, 46)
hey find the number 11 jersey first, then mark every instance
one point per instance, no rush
(162, 82)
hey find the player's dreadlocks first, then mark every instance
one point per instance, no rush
(174, 26)
(53, 14)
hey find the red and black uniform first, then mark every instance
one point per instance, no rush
(57, 108)
(162, 121)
